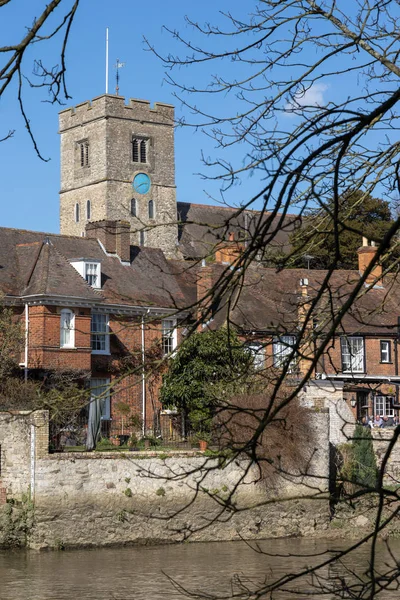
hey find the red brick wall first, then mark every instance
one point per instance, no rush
(333, 360)
(44, 340)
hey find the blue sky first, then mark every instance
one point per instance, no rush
(29, 187)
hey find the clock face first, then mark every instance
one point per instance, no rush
(141, 183)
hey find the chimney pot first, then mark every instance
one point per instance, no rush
(365, 255)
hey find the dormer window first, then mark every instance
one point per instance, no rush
(92, 274)
(90, 270)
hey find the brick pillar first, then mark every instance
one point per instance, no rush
(40, 420)
(204, 284)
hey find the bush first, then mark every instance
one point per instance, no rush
(364, 470)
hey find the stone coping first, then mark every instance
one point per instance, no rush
(124, 455)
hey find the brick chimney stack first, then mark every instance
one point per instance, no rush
(114, 235)
(204, 284)
(365, 255)
(229, 251)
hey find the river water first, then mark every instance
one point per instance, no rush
(152, 573)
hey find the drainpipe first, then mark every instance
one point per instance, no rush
(143, 377)
(26, 342)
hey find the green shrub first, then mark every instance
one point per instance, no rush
(359, 462)
(365, 471)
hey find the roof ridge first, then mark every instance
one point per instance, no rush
(44, 233)
(233, 208)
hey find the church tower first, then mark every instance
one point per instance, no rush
(117, 163)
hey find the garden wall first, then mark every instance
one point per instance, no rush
(97, 499)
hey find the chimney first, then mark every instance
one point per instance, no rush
(229, 251)
(204, 285)
(114, 235)
(365, 255)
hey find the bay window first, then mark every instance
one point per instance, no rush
(67, 328)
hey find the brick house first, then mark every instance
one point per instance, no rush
(126, 278)
(362, 356)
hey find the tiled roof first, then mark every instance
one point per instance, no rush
(203, 226)
(33, 263)
(268, 300)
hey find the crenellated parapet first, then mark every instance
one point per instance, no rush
(108, 106)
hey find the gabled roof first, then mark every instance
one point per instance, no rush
(267, 300)
(202, 226)
(36, 263)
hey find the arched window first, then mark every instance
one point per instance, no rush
(151, 209)
(67, 328)
(88, 210)
(77, 213)
(133, 207)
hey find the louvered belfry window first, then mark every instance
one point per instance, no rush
(139, 150)
(84, 153)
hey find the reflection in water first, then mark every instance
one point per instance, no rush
(136, 573)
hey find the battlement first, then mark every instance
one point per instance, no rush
(109, 106)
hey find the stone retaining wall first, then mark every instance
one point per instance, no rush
(97, 499)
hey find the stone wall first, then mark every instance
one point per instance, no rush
(382, 439)
(96, 499)
(108, 125)
(325, 394)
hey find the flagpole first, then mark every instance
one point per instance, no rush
(106, 60)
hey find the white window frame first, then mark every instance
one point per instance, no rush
(67, 324)
(385, 349)
(100, 334)
(257, 352)
(385, 404)
(352, 349)
(92, 270)
(102, 386)
(169, 336)
(282, 349)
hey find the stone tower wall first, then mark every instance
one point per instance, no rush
(109, 125)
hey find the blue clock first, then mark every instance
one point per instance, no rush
(141, 183)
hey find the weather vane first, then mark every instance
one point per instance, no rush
(118, 65)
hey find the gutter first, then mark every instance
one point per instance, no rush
(143, 377)
(83, 302)
(26, 342)
(353, 377)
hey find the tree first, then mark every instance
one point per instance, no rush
(11, 342)
(309, 93)
(55, 18)
(203, 364)
(359, 215)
